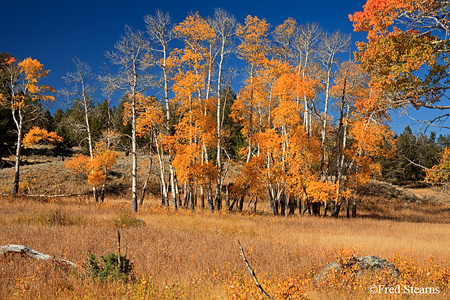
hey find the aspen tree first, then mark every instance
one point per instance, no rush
(21, 93)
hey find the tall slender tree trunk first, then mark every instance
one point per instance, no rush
(324, 126)
(210, 199)
(162, 172)
(173, 185)
(134, 203)
(348, 207)
(218, 196)
(17, 159)
(250, 130)
(227, 195)
(89, 136)
(354, 207)
(342, 140)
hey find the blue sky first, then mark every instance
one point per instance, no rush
(54, 32)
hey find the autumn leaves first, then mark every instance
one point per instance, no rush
(289, 153)
(298, 147)
(20, 90)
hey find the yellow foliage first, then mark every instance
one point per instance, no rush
(254, 42)
(320, 191)
(24, 84)
(78, 163)
(34, 71)
(440, 173)
(94, 169)
(195, 28)
(38, 135)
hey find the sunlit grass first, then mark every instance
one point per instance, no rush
(194, 254)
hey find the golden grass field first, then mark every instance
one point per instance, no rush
(195, 254)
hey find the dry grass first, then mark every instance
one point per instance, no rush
(195, 255)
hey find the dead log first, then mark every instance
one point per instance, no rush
(32, 253)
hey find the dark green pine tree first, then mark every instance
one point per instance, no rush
(408, 156)
(123, 129)
(389, 165)
(7, 127)
(428, 150)
(234, 139)
(443, 142)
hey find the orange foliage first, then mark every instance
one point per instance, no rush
(195, 29)
(78, 164)
(251, 179)
(379, 15)
(34, 71)
(95, 169)
(369, 137)
(196, 128)
(10, 60)
(440, 173)
(254, 43)
(149, 115)
(395, 57)
(26, 76)
(37, 135)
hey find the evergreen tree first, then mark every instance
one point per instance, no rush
(429, 152)
(443, 142)
(407, 155)
(389, 165)
(123, 129)
(6, 121)
(233, 138)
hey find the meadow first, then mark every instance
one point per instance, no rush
(195, 254)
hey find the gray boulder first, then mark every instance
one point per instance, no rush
(361, 265)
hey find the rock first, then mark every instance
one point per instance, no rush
(373, 263)
(361, 265)
(333, 266)
(140, 221)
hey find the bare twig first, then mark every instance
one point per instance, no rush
(423, 167)
(118, 245)
(252, 272)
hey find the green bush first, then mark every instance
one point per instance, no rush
(111, 268)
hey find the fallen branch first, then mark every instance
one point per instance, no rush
(32, 253)
(45, 195)
(252, 272)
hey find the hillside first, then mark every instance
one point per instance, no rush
(44, 174)
(194, 254)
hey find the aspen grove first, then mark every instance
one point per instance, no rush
(306, 143)
(302, 138)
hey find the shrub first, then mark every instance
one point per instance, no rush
(50, 218)
(126, 220)
(111, 268)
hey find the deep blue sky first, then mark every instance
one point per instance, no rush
(54, 32)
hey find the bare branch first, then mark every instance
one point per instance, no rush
(423, 167)
(252, 272)
(432, 122)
